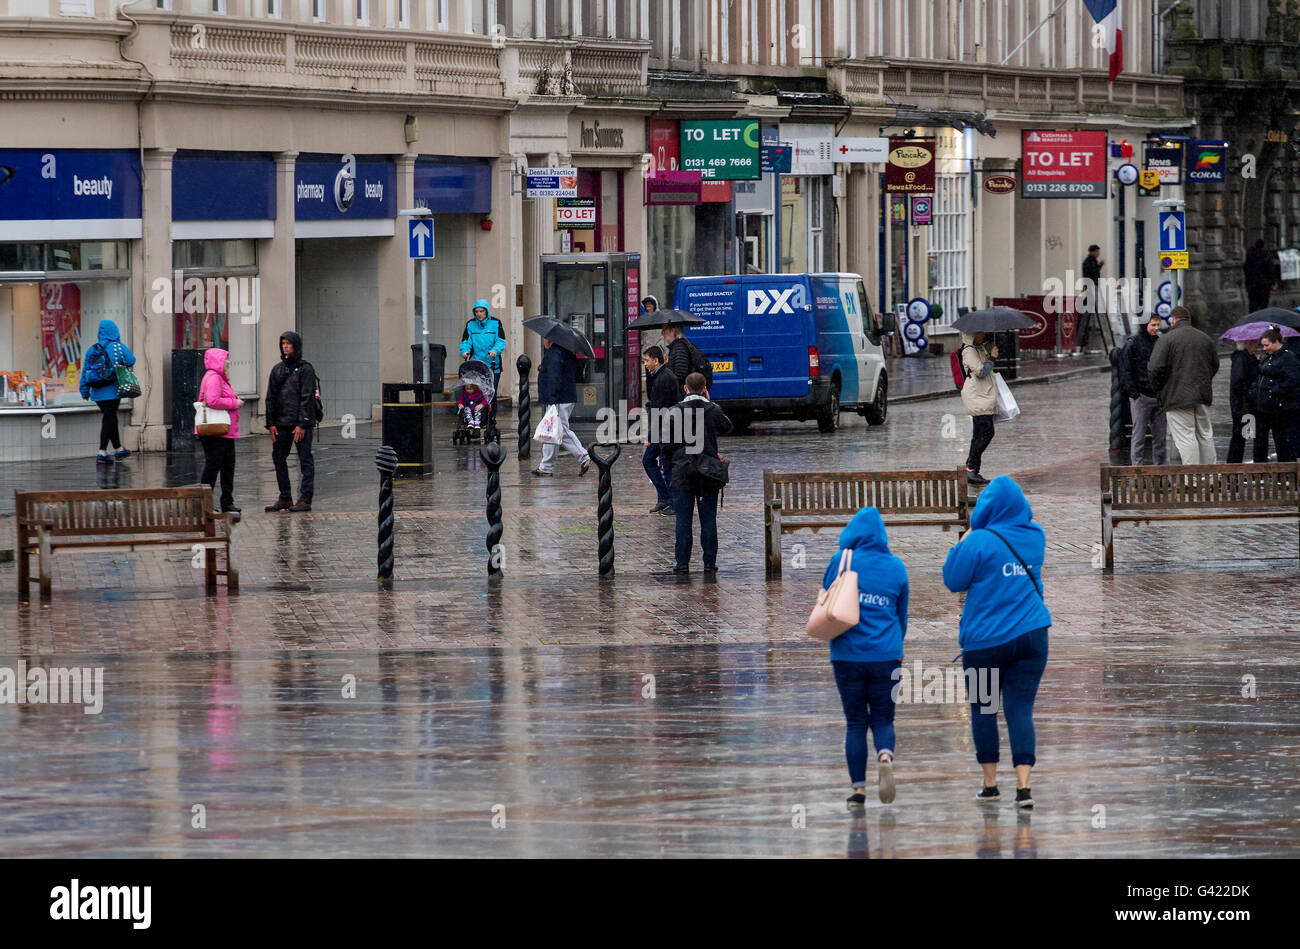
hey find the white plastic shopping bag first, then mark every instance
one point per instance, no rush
(1007, 406)
(548, 429)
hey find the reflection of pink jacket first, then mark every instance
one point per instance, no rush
(215, 389)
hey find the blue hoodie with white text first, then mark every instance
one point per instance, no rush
(882, 593)
(1001, 602)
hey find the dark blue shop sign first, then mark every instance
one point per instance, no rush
(344, 187)
(223, 186)
(453, 186)
(63, 184)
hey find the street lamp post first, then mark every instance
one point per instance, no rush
(424, 298)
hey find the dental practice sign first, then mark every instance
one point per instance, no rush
(338, 187)
(69, 184)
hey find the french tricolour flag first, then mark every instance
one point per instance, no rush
(1106, 13)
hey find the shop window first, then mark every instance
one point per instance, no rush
(274, 8)
(215, 300)
(219, 6)
(49, 315)
(318, 13)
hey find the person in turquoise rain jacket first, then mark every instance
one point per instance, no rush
(866, 657)
(108, 352)
(998, 564)
(484, 339)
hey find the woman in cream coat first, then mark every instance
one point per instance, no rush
(979, 393)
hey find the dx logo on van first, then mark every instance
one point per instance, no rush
(772, 301)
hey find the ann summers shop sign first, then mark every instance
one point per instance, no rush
(593, 136)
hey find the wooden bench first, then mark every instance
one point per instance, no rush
(795, 500)
(95, 522)
(1147, 493)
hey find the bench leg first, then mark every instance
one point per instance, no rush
(1107, 540)
(210, 568)
(46, 566)
(24, 574)
(772, 544)
(232, 571)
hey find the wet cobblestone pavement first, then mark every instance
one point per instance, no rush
(532, 695)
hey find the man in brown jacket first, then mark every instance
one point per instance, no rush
(1182, 368)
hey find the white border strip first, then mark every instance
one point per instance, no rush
(221, 230)
(95, 229)
(365, 227)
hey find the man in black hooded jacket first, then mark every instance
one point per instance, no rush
(291, 418)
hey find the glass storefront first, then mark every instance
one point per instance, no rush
(52, 298)
(215, 301)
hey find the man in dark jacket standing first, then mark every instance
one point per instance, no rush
(1182, 368)
(1145, 406)
(697, 423)
(664, 391)
(557, 386)
(1278, 396)
(1091, 268)
(1261, 275)
(291, 418)
(679, 352)
(1241, 395)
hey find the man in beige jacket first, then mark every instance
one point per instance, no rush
(979, 393)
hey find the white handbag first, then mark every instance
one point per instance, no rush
(837, 607)
(1008, 408)
(210, 421)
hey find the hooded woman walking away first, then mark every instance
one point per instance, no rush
(865, 656)
(216, 392)
(979, 393)
(998, 564)
(108, 352)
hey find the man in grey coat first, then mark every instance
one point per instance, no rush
(1182, 367)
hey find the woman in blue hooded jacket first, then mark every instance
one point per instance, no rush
(866, 656)
(108, 349)
(484, 339)
(998, 564)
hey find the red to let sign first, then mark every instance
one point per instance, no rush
(1062, 164)
(575, 214)
(911, 166)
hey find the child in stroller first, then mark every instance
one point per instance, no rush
(474, 419)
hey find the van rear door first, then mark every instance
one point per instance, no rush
(718, 300)
(777, 333)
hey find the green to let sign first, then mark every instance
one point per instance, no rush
(722, 150)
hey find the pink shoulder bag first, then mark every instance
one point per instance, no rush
(837, 607)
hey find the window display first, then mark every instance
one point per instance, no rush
(215, 301)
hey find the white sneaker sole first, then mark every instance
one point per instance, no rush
(887, 788)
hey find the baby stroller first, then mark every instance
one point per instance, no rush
(475, 405)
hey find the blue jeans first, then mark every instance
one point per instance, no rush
(1019, 666)
(652, 461)
(684, 504)
(866, 692)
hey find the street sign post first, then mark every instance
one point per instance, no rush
(1173, 243)
(1173, 233)
(419, 246)
(419, 238)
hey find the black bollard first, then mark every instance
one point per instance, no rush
(493, 455)
(1121, 420)
(386, 462)
(524, 364)
(605, 506)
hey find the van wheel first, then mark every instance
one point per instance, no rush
(875, 412)
(828, 418)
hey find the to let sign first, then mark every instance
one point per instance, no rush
(1062, 164)
(910, 169)
(722, 150)
(575, 214)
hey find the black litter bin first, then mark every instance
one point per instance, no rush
(437, 364)
(1008, 361)
(407, 426)
(187, 373)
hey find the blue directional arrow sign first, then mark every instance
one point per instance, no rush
(419, 238)
(1173, 235)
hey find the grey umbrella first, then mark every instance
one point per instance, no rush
(661, 318)
(561, 334)
(993, 320)
(1272, 314)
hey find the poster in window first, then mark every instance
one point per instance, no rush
(60, 329)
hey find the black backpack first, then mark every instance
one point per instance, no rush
(700, 363)
(319, 405)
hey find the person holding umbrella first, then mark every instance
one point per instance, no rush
(1278, 396)
(1244, 387)
(557, 386)
(979, 391)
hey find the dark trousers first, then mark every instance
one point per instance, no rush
(1019, 665)
(219, 458)
(652, 461)
(981, 434)
(1284, 435)
(279, 457)
(1258, 296)
(684, 504)
(108, 433)
(1237, 444)
(866, 692)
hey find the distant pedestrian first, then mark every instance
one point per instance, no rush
(678, 350)
(1182, 368)
(696, 424)
(979, 394)
(1261, 274)
(99, 385)
(1091, 268)
(557, 386)
(998, 564)
(866, 656)
(291, 418)
(1146, 410)
(484, 339)
(1278, 396)
(215, 391)
(1241, 395)
(664, 391)
(649, 303)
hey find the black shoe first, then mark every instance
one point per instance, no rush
(586, 466)
(538, 472)
(659, 508)
(281, 505)
(1024, 798)
(974, 477)
(230, 509)
(302, 507)
(988, 794)
(856, 801)
(710, 573)
(682, 570)
(667, 511)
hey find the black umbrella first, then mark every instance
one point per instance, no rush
(993, 320)
(661, 318)
(561, 334)
(1272, 314)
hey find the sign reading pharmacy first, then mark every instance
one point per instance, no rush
(1062, 163)
(338, 187)
(551, 183)
(722, 150)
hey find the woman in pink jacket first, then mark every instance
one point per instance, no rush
(216, 392)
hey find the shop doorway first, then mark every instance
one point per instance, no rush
(338, 319)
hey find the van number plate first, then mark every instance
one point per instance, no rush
(724, 366)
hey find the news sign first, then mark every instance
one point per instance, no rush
(1062, 164)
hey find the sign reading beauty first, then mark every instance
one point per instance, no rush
(911, 166)
(1063, 164)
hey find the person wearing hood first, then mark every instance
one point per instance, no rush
(979, 394)
(998, 564)
(865, 657)
(484, 339)
(1278, 396)
(1145, 407)
(291, 418)
(1241, 398)
(108, 352)
(215, 391)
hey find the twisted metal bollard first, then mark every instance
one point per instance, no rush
(386, 462)
(1121, 421)
(605, 506)
(523, 364)
(493, 455)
